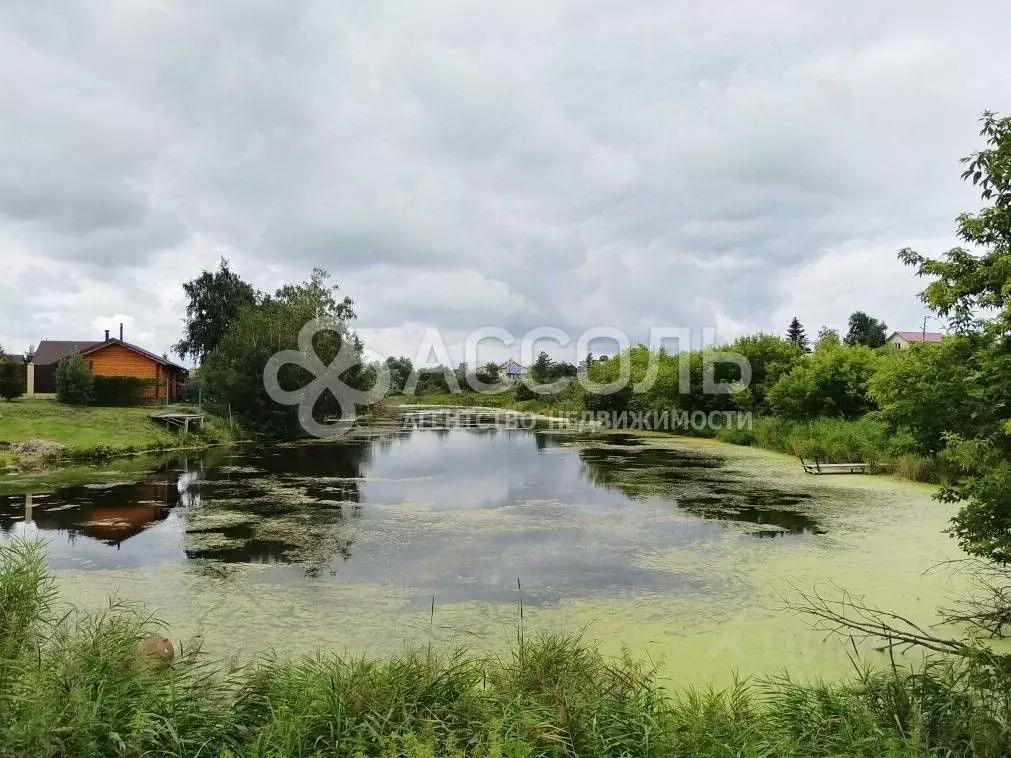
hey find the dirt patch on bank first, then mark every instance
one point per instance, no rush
(32, 453)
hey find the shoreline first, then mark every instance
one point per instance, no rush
(41, 434)
(908, 468)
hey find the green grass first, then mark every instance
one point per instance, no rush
(837, 441)
(72, 684)
(564, 402)
(86, 432)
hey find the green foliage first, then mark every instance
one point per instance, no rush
(12, 379)
(831, 382)
(796, 335)
(827, 336)
(433, 381)
(121, 391)
(540, 371)
(192, 390)
(27, 592)
(864, 330)
(654, 381)
(929, 390)
(771, 358)
(400, 370)
(524, 392)
(828, 440)
(72, 684)
(74, 381)
(233, 371)
(973, 291)
(546, 378)
(491, 373)
(215, 300)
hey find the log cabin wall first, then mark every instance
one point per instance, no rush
(116, 360)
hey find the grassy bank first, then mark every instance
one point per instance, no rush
(827, 440)
(505, 400)
(38, 431)
(74, 685)
(836, 441)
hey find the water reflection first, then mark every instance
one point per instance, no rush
(468, 509)
(110, 515)
(699, 483)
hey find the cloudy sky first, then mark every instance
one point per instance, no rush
(568, 163)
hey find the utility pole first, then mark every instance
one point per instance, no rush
(924, 328)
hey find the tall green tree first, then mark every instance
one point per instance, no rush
(864, 330)
(796, 335)
(232, 372)
(215, 300)
(541, 370)
(400, 370)
(971, 288)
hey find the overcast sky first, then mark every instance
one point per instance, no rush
(455, 164)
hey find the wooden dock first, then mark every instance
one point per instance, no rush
(833, 468)
(179, 421)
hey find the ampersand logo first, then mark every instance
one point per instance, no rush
(325, 378)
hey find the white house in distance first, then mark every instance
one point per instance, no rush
(511, 370)
(902, 340)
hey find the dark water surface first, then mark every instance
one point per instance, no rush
(468, 509)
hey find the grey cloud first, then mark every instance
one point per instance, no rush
(580, 162)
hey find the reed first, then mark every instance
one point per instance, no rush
(73, 686)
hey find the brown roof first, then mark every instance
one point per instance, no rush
(156, 358)
(52, 351)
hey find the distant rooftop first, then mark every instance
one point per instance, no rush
(51, 351)
(919, 336)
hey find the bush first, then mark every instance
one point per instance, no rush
(927, 391)
(191, 391)
(12, 380)
(74, 381)
(523, 392)
(119, 390)
(831, 382)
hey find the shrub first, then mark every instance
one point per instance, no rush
(831, 382)
(12, 380)
(523, 392)
(119, 390)
(191, 391)
(74, 381)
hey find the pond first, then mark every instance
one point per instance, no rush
(417, 533)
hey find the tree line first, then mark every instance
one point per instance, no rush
(949, 400)
(863, 330)
(233, 330)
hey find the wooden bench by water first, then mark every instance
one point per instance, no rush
(833, 468)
